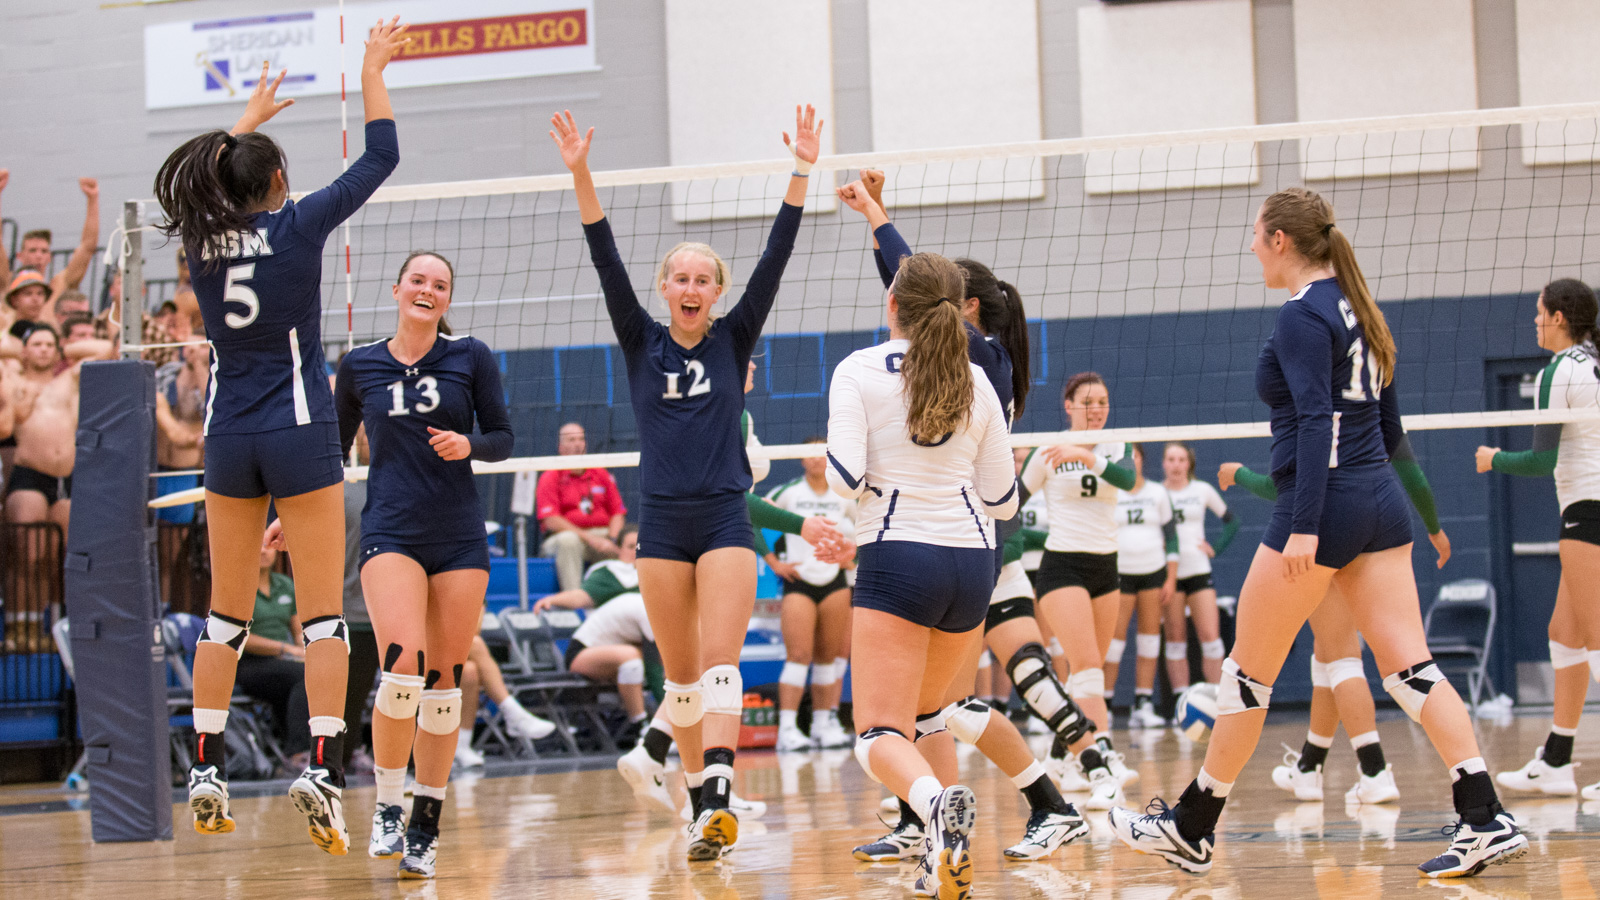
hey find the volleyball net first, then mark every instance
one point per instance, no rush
(1131, 255)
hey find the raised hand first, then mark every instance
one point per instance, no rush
(263, 103)
(856, 196)
(89, 186)
(1226, 474)
(384, 41)
(807, 132)
(574, 147)
(874, 181)
(1065, 453)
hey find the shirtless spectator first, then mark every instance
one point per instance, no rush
(180, 419)
(72, 302)
(35, 251)
(27, 303)
(39, 488)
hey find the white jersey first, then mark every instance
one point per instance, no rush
(1012, 584)
(1189, 505)
(1144, 517)
(1034, 518)
(1572, 381)
(798, 497)
(1081, 508)
(760, 466)
(946, 491)
(621, 621)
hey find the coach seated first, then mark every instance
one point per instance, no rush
(273, 667)
(604, 580)
(580, 512)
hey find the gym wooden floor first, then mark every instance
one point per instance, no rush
(580, 834)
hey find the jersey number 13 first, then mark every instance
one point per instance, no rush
(427, 385)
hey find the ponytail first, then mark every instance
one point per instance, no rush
(1307, 219)
(1000, 315)
(937, 372)
(207, 186)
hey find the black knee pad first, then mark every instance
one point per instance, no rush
(1006, 610)
(392, 656)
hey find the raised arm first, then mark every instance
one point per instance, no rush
(888, 247)
(78, 263)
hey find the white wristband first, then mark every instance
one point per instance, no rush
(801, 167)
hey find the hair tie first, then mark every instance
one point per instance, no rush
(947, 300)
(229, 141)
(1327, 229)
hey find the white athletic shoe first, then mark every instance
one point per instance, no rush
(744, 809)
(1068, 773)
(388, 832)
(647, 777)
(1538, 777)
(905, 841)
(792, 740)
(1145, 716)
(889, 809)
(830, 735)
(208, 800)
(468, 758)
(1475, 848)
(713, 832)
(523, 724)
(1305, 786)
(1125, 774)
(422, 850)
(947, 867)
(1046, 831)
(322, 803)
(1592, 791)
(1379, 788)
(1155, 832)
(1105, 791)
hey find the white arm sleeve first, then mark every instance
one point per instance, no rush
(1034, 472)
(760, 466)
(1214, 501)
(996, 467)
(847, 434)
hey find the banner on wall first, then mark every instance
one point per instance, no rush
(198, 62)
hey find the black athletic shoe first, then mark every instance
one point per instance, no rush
(319, 798)
(1476, 847)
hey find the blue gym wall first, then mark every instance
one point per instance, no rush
(1161, 369)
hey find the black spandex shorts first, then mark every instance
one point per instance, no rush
(1094, 572)
(434, 558)
(685, 530)
(286, 462)
(574, 647)
(1194, 584)
(26, 479)
(947, 588)
(1581, 522)
(1006, 610)
(816, 592)
(1133, 584)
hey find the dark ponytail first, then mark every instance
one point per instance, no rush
(1576, 303)
(209, 184)
(1000, 315)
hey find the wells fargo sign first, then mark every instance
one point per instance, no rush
(430, 40)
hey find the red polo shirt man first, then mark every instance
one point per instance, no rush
(580, 512)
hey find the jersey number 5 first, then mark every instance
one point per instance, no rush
(698, 382)
(427, 385)
(234, 292)
(1360, 357)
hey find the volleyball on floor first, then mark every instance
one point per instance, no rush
(1197, 711)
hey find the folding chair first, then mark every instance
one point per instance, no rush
(1460, 632)
(537, 675)
(180, 632)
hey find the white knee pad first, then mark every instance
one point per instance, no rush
(440, 712)
(1087, 683)
(1177, 651)
(1211, 649)
(684, 703)
(967, 719)
(723, 687)
(929, 724)
(1147, 646)
(841, 665)
(1055, 647)
(1115, 649)
(986, 660)
(864, 748)
(1564, 657)
(823, 674)
(227, 631)
(399, 695)
(1239, 692)
(631, 672)
(1410, 687)
(1342, 670)
(326, 628)
(1319, 674)
(794, 674)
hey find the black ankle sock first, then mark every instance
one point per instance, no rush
(694, 801)
(1371, 759)
(1475, 798)
(1197, 812)
(907, 814)
(1312, 757)
(1043, 794)
(715, 789)
(1059, 748)
(425, 812)
(1091, 759)
(211, 750)
(657, 743)
(1142, 698)
(1558, 749)
(1103, 744)
(328, 752)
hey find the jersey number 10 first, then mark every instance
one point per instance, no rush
(1359, 360)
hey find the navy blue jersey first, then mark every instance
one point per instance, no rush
(413, 496)
(688, 401)
(985, 352)
(263, 305)
(1330, 407)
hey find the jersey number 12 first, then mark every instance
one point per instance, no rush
(427, 385)
(698, 382)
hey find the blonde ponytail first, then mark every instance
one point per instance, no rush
(937, 373)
